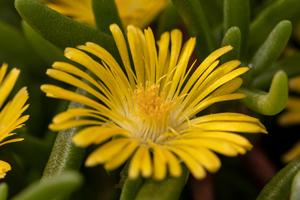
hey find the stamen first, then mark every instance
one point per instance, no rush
(152, 111)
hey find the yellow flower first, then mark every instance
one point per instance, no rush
(135, 12)
(11, 113)
(147, 113)
(292, 117)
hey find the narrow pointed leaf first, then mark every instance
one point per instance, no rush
(58, 29)
(272, 102)
(56, 187)
(271, 49)
(280, 185)
(237, 13)
(106, 13)
(232, 37)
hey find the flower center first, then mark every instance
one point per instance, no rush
(152, 111)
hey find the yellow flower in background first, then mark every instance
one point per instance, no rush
(292, 117)
(11, 113)
(293, 153)
(147, 112)
(139, 13)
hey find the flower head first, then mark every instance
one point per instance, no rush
(146, 112)
(135, 12)
(11, 113)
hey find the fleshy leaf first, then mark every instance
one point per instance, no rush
(45, 49)
(58, 29)
(280, 185)
(271, 49)
(232, 37)
(191, 11)
(3, 191)
(237, 13)
(168, 189)
(268, 18)
(130, 188)
(55, 187)
(295, 190)
(14, 47)
(106, 13)
(272, 102)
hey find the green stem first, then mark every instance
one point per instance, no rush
(65, 155)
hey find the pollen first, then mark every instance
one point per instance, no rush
(150, 104)
(153, 110)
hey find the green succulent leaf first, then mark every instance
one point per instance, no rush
(55, 187)
(191, 11)
(279, 186)
(3, 191)
(269, 17)
(215, 7)
(271, 49)
(289, 64)
(232, 37)
(168, 20)
(295, 190)
(130, 188)
(106, 13)
(45, 49)
(237, 13)
(14, 47)
(58, 29)
(272, 102)
(168, 189)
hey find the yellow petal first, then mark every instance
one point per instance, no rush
(96, 135)
(172, 162)
(106, 152)
(159, 162)
(136, 163)
(8, 84)
(124, 155)
(196, 169)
